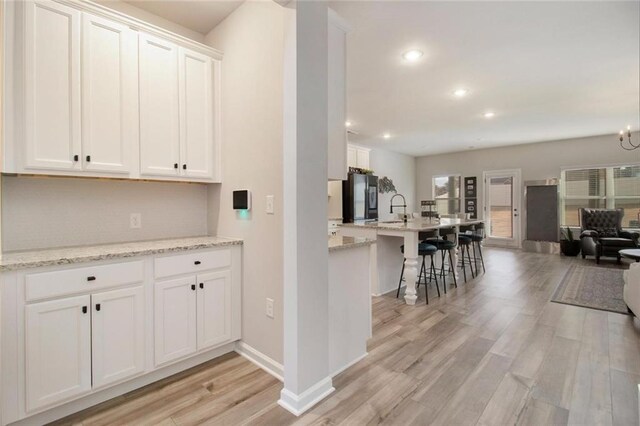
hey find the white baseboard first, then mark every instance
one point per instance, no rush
(355, 361)
(261, 360)
(298, 404)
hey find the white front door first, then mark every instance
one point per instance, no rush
(502, 190)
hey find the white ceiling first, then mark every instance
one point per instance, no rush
(549, 70)
(198, 15)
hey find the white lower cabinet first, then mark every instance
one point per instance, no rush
(192, 313)
(81, 343)
(58, 350)
(117, 335)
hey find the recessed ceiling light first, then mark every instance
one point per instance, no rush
(347, 123)
(461, 92)
(386, 135)
(489, 114)
(412, 55)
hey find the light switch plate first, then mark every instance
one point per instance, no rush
(269, 207)
(135, 221)
(269, 310)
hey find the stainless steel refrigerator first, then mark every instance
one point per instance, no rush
(359, 198)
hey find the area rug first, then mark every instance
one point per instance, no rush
(592, 287)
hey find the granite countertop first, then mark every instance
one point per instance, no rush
(338, 242)
(69, 255)
(414, 224)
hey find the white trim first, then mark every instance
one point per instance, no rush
(261, 360)
(338, 21)
(344, 367)
(298, 404)
(518, 189)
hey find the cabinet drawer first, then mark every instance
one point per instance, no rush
(59, 283)
(191, 262)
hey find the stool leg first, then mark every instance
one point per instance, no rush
(435, 277)
(464, 270)
(470, 263)
(400, 282)
(481, 258)
(455, 280)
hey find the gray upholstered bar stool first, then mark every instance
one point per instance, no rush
(444, 246)
(476, 233)
(424, 250)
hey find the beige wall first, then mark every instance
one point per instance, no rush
(401, 169)
(252, 39)
(41, 212)
(536, 161)
(143, 15)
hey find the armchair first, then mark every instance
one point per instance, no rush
(602, 233)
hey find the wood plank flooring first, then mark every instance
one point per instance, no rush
(494, 351)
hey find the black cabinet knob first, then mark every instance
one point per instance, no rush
(201, 285)
(175, 165)
(97, 306)
(84, 309)
(76, 157)
(88, 158)
(193, 286)
(184, 167)
(197, 262)
(92, 278)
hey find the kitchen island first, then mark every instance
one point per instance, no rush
(385, 270)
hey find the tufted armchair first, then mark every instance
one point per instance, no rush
(602, 233)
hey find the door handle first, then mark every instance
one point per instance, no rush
(201, 285)
(193, 287)
(92, 278)
(197, 262)
(97, 306)
(84, 309)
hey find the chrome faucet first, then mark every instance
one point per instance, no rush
(403, 205)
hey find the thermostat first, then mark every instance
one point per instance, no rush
(242, 200)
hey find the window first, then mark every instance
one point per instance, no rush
(610, 187)
(446, 192)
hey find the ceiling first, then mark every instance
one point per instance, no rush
(198, 15)
(549, 70)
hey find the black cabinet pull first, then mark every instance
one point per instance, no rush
(184, 167)
(92, 278)
(97, 306)
(193, 286)
(76, 157)
(88, 158)
(84, 309)
(197, 262)
(175, 165)
(201, 285)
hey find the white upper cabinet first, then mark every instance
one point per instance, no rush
(196, 115)
(159, 117)
(94, 93)
(109, 61)
(337, 97)
(358, 157)
(52, 86)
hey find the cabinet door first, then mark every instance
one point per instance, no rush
(352, 158)
(362, 158)
(52, 86)
(196, 115)
(117, 326)
(214, 308)
(175, 319)
(159, 126)
(58, 350)
(108, 94)
(337, 100)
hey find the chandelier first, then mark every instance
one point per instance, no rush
(630, 145)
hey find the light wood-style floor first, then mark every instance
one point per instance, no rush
(495, 351)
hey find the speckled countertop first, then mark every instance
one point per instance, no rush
(340, 242)
(68, 255)
(413, 224)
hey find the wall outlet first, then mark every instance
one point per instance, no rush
(135, 221)
(269, 204)
(269, 310)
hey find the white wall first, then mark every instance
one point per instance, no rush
(41, 212)
(252, 39)
(536, 161)
(401, 169)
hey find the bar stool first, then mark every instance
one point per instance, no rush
(464, 242)
(444, 246)
(424, 250)
(476, 233)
